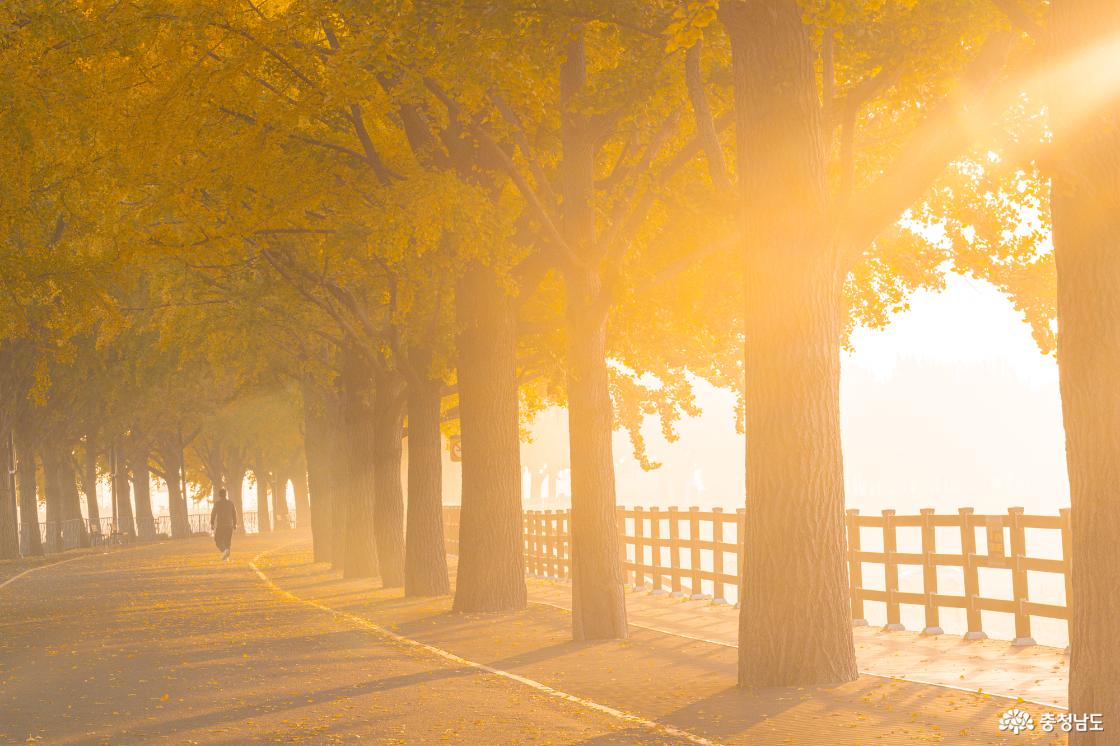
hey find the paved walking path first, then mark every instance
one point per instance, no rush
(163, 643)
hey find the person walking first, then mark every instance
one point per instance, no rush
(223, 521)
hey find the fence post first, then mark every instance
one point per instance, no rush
(719, 588)
(655, 550)
(548, 543)
(929, 574)
(694, 558)
(890, 573)
(675, 552)
(1019, 579)
(855, 569)
(1067, 560)
(971, 577)
(640, 550)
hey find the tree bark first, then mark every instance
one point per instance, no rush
(30, 539)
(425, 554)
(389, 505)
(176, 501)
(358, 396)
(598, 600)
(142, 494)
(281, 518)
(126, 525)
(1086, 219)
(9, 518)
(72, 500)
(339, 482)
(52, 498)
(260, 474)
(795, 618)
(318, 415)
(491, 573)
(300, 492)
(89, 484)
(236, 493)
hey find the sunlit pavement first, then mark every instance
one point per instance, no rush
(167, 644)
(1038, 673)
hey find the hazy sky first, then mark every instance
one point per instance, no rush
(951, 405)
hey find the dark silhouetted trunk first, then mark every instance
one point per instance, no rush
(52, 499)
(142, 495)
(425, 557)
(339, 484)
(320, 412)
(260, 475)
(1086, 216)
(358, 396)
(235, 485)
(89, 484)
(75, 531)
(9, 516)
(122, 500)
(389, 506)
(31, 542)
(300, 493)
(236, 493)
(281, 518)
(794, 536)
(176, 500)
(491, 573)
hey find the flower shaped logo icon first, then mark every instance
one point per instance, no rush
(1016, 721)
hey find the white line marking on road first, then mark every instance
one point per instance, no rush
(30, 570)
(544, 688)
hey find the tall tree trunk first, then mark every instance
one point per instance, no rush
(491, 574)
(300, 492)
(281, 518)
(425, 572)
(89, 484)
(75, 527)
(260, 474)
(142, 494)
(339, 482)
(389, 506)
(176, 500)
(598, 600)
(794, 536)
(9, 518)
(122, 500)
(52, 498)
(318, 413)
(235, 485)
(30, 539)
(1086, 218)
(358, 396)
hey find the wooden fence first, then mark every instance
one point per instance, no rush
(684, 552)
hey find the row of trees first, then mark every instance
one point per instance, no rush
(375, 220)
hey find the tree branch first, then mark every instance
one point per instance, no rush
(943, 136)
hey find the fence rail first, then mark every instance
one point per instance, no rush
(686, 552)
